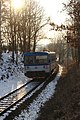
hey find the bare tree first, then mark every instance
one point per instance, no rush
(73, 8)
(34, 23)
(22, 29)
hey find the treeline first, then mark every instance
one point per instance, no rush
(72, 29)
(20, 29)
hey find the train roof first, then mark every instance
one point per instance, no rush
(37, 53)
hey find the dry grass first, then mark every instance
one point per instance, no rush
(65, 103)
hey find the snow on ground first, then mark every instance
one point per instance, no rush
(12, 77)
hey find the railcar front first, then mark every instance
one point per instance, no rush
(36, 64)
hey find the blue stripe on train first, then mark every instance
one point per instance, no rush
(35, 53)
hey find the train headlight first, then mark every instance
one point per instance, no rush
(45, 66)
(27, 67)
(35, 67)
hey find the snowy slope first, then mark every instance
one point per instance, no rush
(11, 75)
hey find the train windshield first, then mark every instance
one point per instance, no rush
(41, 59)
(28, 60)
(36, 59)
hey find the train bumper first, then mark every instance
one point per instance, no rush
(36, 74)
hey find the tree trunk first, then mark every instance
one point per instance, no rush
(34, 44)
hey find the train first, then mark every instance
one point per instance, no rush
(39, 64)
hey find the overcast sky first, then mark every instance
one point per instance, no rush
(53, 9)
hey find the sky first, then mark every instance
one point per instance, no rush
(53, 9)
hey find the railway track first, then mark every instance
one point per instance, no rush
(14, 97)
(11, 99)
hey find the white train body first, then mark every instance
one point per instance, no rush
(39, 63)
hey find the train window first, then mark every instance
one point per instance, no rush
(41, 59)
(28, 60)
